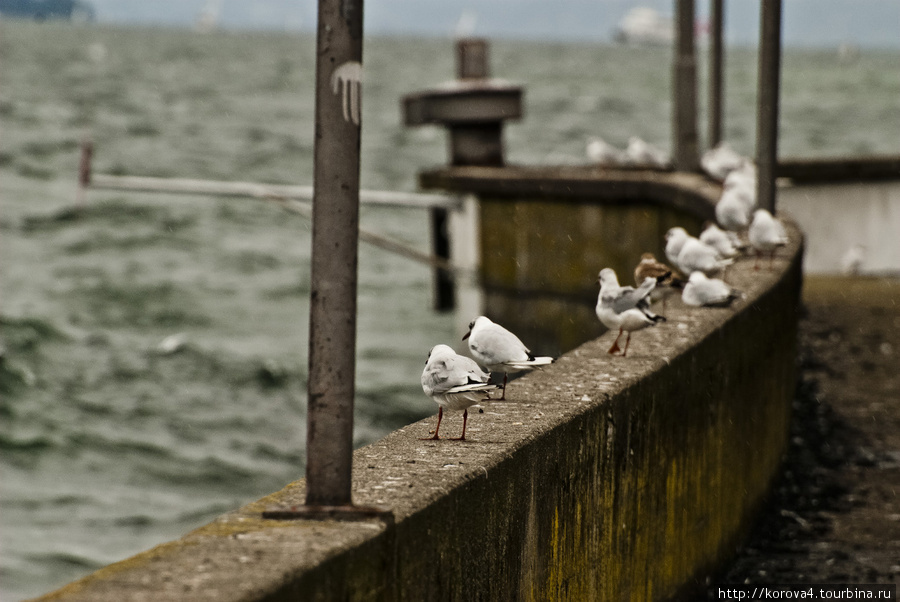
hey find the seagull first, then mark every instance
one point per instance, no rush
(675, 239)
(454, 381)
(852, 260)
(694, 255)
(721, 160)
(602, 152)
(624, 307)
(640, 152)
(708, 292)
(665, 278)
(718, 239)
(733, 208)
(499, 350)
(743, 178)
(766, 235)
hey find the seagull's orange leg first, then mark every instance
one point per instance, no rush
(615, 346)
(465, 418)
(437, 428)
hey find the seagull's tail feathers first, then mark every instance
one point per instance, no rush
(531, 363)
(654, 318)
(472, 388)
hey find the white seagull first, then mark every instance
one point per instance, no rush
(675, 239)
(721, 160)
(602, 152)
(708, 292)
(718, 239)
(733, 208)
(640, 152)
(624, 307)
(766, 234)
(853, 259)
(454, 382)
(744, 178)
(693, 255)
(499, 350)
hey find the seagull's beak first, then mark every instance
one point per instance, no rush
(466, 336)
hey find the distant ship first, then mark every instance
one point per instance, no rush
(645, 25)
(41, 10)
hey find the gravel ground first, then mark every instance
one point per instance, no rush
(834, 516)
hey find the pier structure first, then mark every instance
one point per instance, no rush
(600, 477)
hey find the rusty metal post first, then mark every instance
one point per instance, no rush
(684, 121)
(767, 103)
(84, 171)
(335, 227)
(716, 82)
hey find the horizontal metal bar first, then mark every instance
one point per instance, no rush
(257, 190)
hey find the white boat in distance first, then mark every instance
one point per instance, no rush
(645, 25)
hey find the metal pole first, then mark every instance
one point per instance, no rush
(716, 58)
(335, 226)
(767, 103)
(684, 121)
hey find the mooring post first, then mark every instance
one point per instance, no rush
(473, 109)
(716, 61)
(767, 103)
(471, 64)
(684, 122)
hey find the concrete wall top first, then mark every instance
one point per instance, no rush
(579, 485)
(840, 169)
(690, 192)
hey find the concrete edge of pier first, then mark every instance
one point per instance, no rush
(599, 478)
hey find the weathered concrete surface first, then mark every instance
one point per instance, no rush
(601, 478)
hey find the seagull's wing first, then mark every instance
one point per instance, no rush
(627, 297)
(498, 346)
(446, 373)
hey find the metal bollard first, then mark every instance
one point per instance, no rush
(473, 109)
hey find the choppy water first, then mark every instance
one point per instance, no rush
(109, 444)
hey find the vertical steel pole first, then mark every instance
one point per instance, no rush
(335, 227)
(716, 83)
(684, 122)
(767, 103)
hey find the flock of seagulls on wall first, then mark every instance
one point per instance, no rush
(697, 267)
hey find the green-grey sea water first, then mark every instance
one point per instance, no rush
(111, 443)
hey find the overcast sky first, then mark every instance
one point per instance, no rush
(806, 22)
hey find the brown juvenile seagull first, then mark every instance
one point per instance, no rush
(665, 277)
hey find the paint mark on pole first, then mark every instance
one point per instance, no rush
(347, 79)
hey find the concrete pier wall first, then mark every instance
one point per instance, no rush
(546, 233)
(600, 478)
